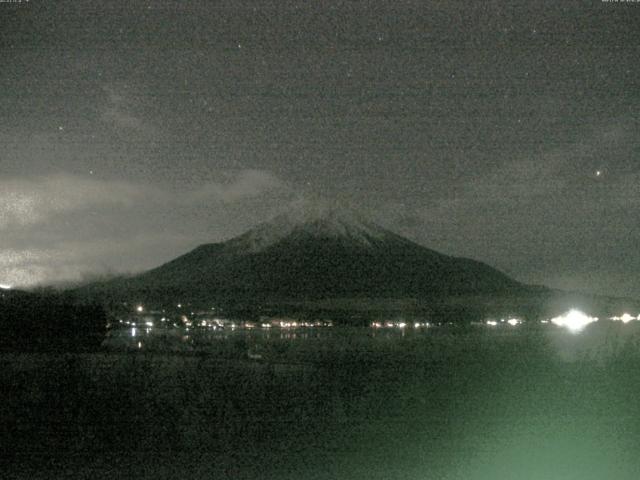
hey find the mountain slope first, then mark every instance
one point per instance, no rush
(309, 253)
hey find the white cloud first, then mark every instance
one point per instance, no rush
(72, 260)
(245, 184)
(61, 227)
(30, 201)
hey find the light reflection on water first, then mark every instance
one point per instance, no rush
(497, 408)
(594, 341)
(189, 339)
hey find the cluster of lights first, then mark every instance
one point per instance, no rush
(510, 321)
(295, 324)
(625, 318)
(399, 325)
(573, 320)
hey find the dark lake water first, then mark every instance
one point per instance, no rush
(443, 403)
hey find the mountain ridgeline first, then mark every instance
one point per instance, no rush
(307, 254)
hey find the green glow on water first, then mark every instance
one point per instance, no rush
(489, 403)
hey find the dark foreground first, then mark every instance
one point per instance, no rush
(478, 404)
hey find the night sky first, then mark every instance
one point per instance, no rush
(507, 132)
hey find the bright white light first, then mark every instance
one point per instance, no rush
(133, 332)
(492, 323)
(139, 309)
(513, 322)
(544, 321)
(625, 318)
(402, 325)
(573, 320)
(4, 286)
(149, 324)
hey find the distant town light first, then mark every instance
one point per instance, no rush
(492, 323)
(513, 322)
(139, 309)
(625, 318)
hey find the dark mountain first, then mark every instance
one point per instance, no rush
(310, 253)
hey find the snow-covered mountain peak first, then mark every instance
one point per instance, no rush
(322, 220)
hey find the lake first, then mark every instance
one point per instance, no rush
(525, 402)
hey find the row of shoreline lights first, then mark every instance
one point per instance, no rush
(399, 324)
(511, 321)
(574, 320)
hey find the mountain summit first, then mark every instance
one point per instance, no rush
(312, 252)
(320, 220)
